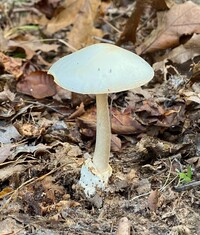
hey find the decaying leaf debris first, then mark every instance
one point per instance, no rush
(46, 130)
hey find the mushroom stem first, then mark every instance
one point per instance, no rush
(103, 134)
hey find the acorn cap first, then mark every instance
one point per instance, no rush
(101, 68)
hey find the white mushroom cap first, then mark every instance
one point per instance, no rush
(101, 68)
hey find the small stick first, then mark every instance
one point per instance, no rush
(187, 186)
(103, 40)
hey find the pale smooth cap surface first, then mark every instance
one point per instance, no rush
(101, 68)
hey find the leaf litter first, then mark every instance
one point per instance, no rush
(45, 130)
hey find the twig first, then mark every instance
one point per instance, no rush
(112, 26)
(187, 186)
(103, 40)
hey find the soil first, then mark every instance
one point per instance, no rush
(155, 184)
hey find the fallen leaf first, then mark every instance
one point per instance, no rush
(125, 123)
(8, 171)
(190, 96)
(5, 152)
(79, 111)
(40, 198)
(83, 29)
(30, 149)
(124, 227)
(122, 122)
(38, 84)
(11, 65)
(181, 19)
(129, 32)
(64, 16)
(30, 45)
(5, 192)
(6, 94)
(8, 134)
(153, 200)
(116, 143)
(30, 130)
(47, 7)
(185, 51)
(159, 148)
(10, 226)
(142, 186)
(64, 205)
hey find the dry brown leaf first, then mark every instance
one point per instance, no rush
(186, 51)
(41, 196)
(151, 108)
(11, 65)
(63, 205)
(63, 17)
(122, 123)
(83, 29)
(30, 130)
(30, 45)
(38, 84)
(6, 94)
(153, 200)
(181, 19)
(129, 33)
(47, 7)
(116, 143)
(79, 111)
(80, 13)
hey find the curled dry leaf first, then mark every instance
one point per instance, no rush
(6, 94)
(83, 30)
(63, 17)
(153, 200)
(38, 84)
(30, 130)
(181, 19)
(191, 96)
(124, 227)
(79, 111)
(116, 143)
(47, 7)
(185, 51)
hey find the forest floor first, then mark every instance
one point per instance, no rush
(46, 130)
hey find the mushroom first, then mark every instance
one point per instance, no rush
(100, 69)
